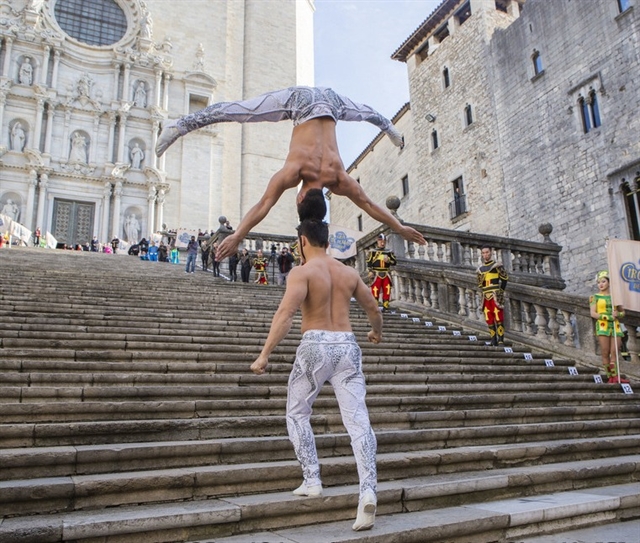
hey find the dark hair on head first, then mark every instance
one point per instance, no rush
(317, 232)
(485, 246)
(313, 205)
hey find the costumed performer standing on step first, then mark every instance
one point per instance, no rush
(492, 280)
(313, 157)
(379, 262)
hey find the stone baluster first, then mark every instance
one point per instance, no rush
(411, 249)
(567, 329)
(633, 344)
(466, 255)
(421, 252)
(430, 250)
(554, 326)
(462, 301)
(439, 251)
(526, 318)
(435, 303)
(399, 282)
(516, 315)
(540, 322)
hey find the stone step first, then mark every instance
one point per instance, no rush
(206, 518)
(222, 425)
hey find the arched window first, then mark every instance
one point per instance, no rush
(537, 62)
(632, 205)
(623, 5)
(446, 81)
(468, 115)
(434, 140)
(594, 109)
(589, 111)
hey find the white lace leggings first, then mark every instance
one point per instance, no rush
(335, 357)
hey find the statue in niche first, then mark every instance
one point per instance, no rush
(145, 26)
(84, 86)
(25, 76)
(18, 137)
(78, 149)
(132, 229)
(11, 210)
(137, 156)
(140, 96)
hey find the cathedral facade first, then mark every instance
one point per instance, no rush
(85, 86)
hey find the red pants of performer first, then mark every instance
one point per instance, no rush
(382, 285)
(494, 315)
(262, 278)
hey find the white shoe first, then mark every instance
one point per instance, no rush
(366, 512)
(168, 136)
(312, 491)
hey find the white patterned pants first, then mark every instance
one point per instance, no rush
(335, 357)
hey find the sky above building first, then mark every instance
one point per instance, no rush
(354, 41)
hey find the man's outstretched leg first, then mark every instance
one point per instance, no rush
(268, 107)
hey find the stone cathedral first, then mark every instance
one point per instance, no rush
(86, 84)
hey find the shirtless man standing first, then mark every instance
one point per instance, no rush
(313, 157)
(323, 288)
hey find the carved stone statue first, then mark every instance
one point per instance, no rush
(11, 210)
(132, 229)
(145, 26)
(137, 156)
(35, 5)
(25, 77)
(140, 96)
(18, 137)
(78, 149)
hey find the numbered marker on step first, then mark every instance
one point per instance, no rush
(415, 319)
(393, 312)
(627, 388)
(456, 332)
(428, 323)
(549, 363)
(528, 356)
(508, 350)
(442, 328)
(404, 316)
(473, 338)
(597, 379)
(573, 371)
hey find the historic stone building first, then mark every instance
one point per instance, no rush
(84, 87)
(523, 113)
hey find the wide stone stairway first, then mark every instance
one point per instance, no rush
(128, 414)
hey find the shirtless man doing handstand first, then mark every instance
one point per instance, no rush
(313, 157)
(328, 351)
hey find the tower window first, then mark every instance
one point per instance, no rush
(459, 204)
(359, 219)
(468, 115)
(446, 81)
(434, 140)
(589, 111)
(405, 185)
(624, 5)
(537, 63)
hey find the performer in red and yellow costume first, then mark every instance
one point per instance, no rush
(379, 263)
(260, 265)
(492, 280)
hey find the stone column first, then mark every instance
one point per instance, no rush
(47, 135)
(37, 129)
(7, 56)
(115, 217)
(65, 134)
(154, 141)
(126, 91)
(31, 198)
(45, 65)
(3, 101)
(56, 65)
(112, 134)
(160, 208)
(116, 78)
(165, 98)
(104, 227)
(121, 142)
(94, 138)
(42, 198)
(151, 199)
(158, 100)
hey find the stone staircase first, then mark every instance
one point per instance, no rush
(128, 414)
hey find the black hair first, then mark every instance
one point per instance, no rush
(312, 206)
(317, 232)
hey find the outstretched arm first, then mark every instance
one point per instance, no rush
(350, 188)
(363, 296)
(295, 293)
(286, 178)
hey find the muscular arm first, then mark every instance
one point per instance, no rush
(363, 296)
(296, 292)
(286, 178)
(350, 188)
